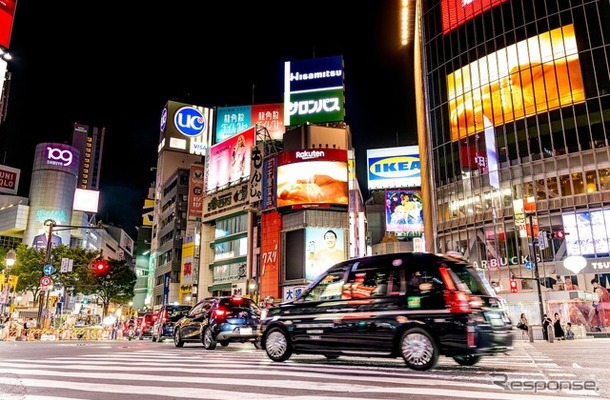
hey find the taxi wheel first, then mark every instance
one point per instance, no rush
(177, 339)
(467, 360)
(208, 340)
(277, 345)
(418, 349)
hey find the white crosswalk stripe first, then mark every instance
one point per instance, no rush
(240, 373)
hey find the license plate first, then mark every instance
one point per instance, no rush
(245, 331)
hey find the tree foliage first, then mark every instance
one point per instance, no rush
(117, 286)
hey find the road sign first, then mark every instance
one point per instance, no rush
(48, 269)
(46, 281)
(529, 265)
(66, 264)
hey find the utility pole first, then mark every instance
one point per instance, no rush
(536, 271)
(43, 300)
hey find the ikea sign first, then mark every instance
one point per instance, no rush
(393, 168)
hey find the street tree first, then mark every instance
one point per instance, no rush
(113, 284)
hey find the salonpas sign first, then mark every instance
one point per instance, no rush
(313, 91)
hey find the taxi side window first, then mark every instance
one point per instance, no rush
(372, 282)
(328, 288)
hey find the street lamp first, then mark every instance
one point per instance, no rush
(10, 259)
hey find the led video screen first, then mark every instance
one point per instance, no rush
(229, 161)
(312, 178)
(587, 233)
(456, 12)
(532, 76)
(404, 211)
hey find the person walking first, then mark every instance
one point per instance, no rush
(546, 322)
(559, 333)
(523, 326)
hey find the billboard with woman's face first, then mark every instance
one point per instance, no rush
(535, 75)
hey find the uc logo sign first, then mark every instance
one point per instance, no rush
(163, 119)
(189, 121)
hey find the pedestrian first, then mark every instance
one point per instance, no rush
(569, 331)
(523, 326)
(559, 333)
(546, 323)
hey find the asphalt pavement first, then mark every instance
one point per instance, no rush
(586, 358)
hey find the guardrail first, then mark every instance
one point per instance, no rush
(61, 334)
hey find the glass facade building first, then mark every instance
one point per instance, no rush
(517, 121)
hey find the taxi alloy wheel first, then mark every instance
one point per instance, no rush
(418, 349)
(208, 340)
(177, 339)
(277, 345)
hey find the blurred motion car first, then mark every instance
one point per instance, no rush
(417, 306)
(167, 316)
(145, 324)
(221, 320)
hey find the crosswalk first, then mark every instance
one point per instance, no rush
(242, 372)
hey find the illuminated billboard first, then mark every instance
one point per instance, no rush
(195, 199)
(313, 91)
(404, 212)
(7, 14)
(587, 232)
(9, 182)
(535, 75)
(312, 178)
(86, 200)
(395, 167)
(231, 120)
(456, 12)
(185, 128)
(324, 248)
(229, 161)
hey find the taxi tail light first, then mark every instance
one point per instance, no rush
(456, 300)
(470, 336)
(220, 314)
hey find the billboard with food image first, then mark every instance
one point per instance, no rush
(312, 178)
(535, 75)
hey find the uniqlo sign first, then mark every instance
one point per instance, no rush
(9, 179)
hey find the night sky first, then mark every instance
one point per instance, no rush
(115, 65)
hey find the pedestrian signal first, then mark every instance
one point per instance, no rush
(100, 267)
(513, 286)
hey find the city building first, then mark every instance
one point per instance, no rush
(513, 123)
(185, 134)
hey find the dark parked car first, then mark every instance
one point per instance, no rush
(219, 320)
(145, 324)
(167, 316)
(411, 305)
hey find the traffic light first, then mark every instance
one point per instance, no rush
(100, 267)
(513, 286)
(560, 234)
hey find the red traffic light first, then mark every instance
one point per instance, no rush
(100, 267)
(560, 234)
(513, 286)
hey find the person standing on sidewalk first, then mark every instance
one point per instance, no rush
(523, 326)
(559, 334)
(546, 322)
